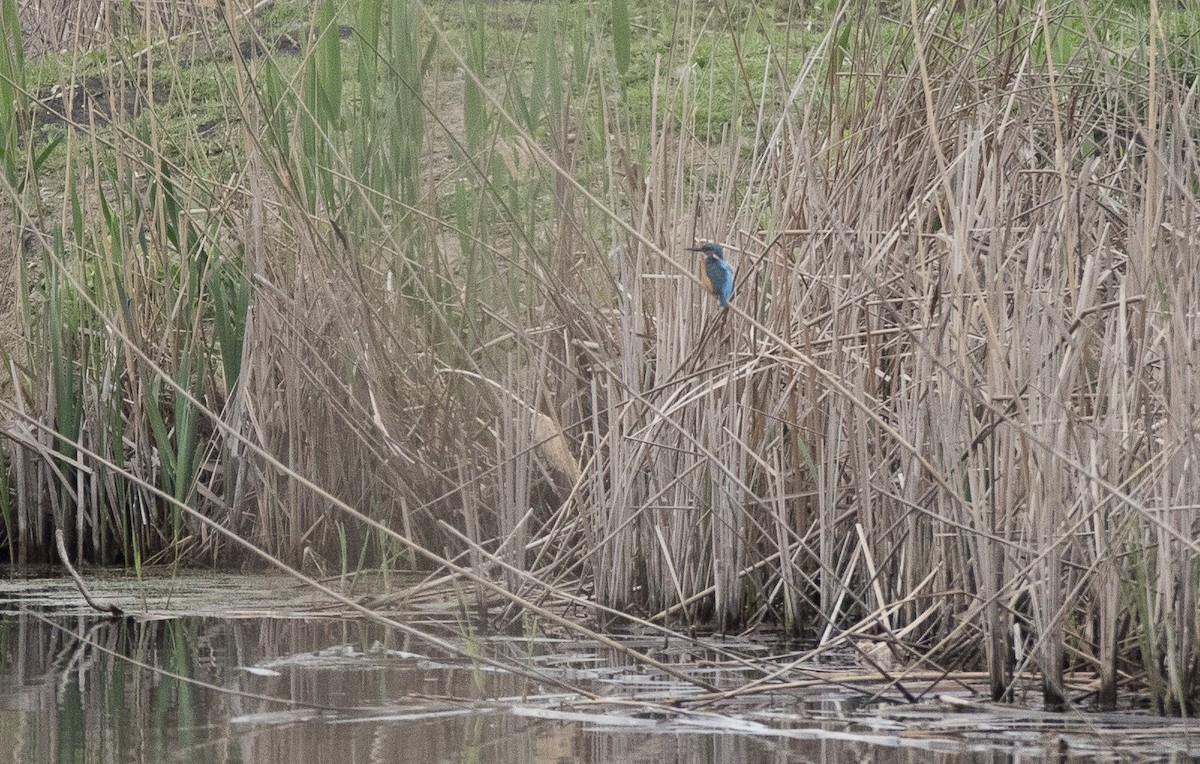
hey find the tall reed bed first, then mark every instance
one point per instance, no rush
(419, 296)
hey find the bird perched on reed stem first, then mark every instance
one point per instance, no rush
(716, 271)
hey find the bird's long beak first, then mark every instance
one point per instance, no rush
(695, 249)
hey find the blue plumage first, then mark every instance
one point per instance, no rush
(717, 272)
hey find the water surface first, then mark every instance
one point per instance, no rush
(225, 668)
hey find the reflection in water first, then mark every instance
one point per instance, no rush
(66, 700)
(207, 688)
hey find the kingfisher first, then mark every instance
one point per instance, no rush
(717, 273)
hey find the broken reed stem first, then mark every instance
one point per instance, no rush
(100, 607)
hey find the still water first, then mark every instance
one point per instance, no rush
(210, 669)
